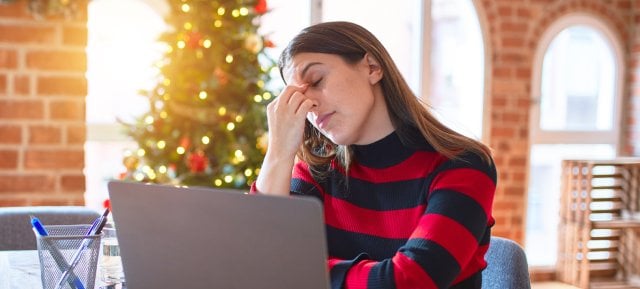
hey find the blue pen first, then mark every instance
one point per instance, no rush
(57, 256)
(95, 229)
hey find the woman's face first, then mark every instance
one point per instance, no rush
(349, 104)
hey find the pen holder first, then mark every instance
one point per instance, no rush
(56, 253)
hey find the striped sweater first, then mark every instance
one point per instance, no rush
(406, 217)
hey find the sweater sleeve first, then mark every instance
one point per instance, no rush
(448, 243)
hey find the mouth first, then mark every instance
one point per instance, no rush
(323, 120)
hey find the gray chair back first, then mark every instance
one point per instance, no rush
(507, 266)
(15, 224)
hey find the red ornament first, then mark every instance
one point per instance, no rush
(197, 161)
(269, 43)
(193, 39)
(261, 7)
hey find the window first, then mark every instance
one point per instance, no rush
(121, 51)
(577, 76)
(457, 66)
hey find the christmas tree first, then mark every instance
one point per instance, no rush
(206, 125)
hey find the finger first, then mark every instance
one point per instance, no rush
(305, 107)
(289, 90)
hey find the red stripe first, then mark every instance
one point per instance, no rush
(358, 275)
(418, 165)
(471, 182)
(408, 274)
(451, 235)
(388, 224)
(332, 262)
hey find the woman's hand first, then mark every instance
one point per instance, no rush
(286, 116)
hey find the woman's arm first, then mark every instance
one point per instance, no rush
(286, 116)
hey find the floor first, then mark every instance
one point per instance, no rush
(551, 285)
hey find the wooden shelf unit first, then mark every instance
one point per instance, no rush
(599, 230)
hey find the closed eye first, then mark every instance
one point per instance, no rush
(316, 82)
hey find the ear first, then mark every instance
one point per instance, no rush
(375, 70)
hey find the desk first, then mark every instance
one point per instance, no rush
(21, 270)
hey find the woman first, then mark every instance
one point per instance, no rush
(407, 201)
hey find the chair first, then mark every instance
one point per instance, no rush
(507, 266)
(15, 223)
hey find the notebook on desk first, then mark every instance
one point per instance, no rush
(194, 238)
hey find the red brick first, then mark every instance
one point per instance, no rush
(26, 183)
(8, 59)
(14, 201)
(505, 11)
(57, 60)
(76, 134)
(508, 87)
(10, 134)
(501, 72)
(523, 73)
(76, 35)
(21, 85)
(8, 159)
(21, 109)
(15, 10)
(68, 110)
(45, 134)
(3, 84)
(513, 42)
(503, 132)
(73, 183)
(59, 85)
(36, 34)
(510, 26)
(54, 159)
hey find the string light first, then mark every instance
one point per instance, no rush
(229, 58)
(217, 23)
(202, 95)
(148, 119)
(221, 11)
(231, 126)
(217, 182)
(188, 26)
(248, 172)
(260, 83)
(141, 152)
(235, 13)
(244, 11)
(181, 44)
(239, 118)
(257, 98)
(228, 179)
(206, 43)
(162, 169)
(162, 144)
(185, 7)
(267, 95)
(205, 140)
(180, 150)
(222, 111)
(163, 114)
(166, 82)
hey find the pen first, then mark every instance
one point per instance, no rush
(57, 256)
(95, 229)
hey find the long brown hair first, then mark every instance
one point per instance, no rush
(352, 42)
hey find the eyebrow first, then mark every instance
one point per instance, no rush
(306, 68)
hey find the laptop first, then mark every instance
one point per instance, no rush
(177, 237)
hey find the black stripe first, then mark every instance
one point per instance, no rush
(471, 161)
(344, 244)
(381, 276)
(439, 264)
(301, 187)
(379, 197)
(461, 208)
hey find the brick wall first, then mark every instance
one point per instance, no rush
(42, 107)
(514, 28)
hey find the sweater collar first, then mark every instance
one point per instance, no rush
(383, 153)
